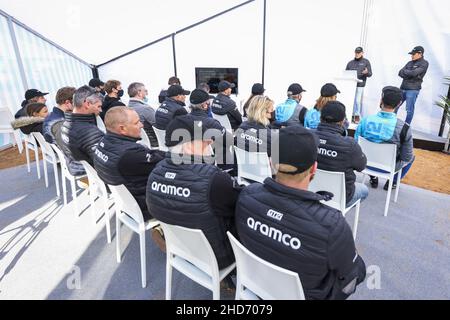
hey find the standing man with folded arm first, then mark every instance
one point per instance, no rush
(412, 74)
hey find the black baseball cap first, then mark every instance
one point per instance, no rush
(359, 49)
(295, 89)
(258, 89)
(391, 96)
(297, 147)
(176, 90)
(33, 93)
(199, 96)
(96, 83)
(329, 90)
(191, 128)
(417, 49)
(224, 85)
(333, 111)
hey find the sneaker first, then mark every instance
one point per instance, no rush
(374, 182)
(386, 185)
(158, 238)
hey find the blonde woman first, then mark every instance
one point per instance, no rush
(328, 92)
(254, 134)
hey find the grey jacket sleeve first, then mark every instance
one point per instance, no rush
(149, 115)
(406, 149)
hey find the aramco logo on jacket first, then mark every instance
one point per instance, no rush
(171, 190)
(274, 234)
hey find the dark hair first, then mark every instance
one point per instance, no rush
(110, 85)
(34, 107)
(174, 80)
(63, 94)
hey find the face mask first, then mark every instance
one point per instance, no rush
(120, 93)
(102, 92)
(145, 99)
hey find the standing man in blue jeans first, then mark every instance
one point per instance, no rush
(412, 74)
(363, 71)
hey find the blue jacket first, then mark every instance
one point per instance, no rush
(56, 115)
(384, 127)
(290, 112)
(312, 118)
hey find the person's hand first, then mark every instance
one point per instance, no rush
(365, 71)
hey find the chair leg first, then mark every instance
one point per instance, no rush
(18, 141)
(143, 261)
(168, 276)
(64, 187)
(45, 170)
(36, 154)
(388, 198)
(118, 253)
(239, 289)
(216, 289)
(92, 202)
(355, 221)
(107, 219)
(55, 171)
(74, 196)
(399, 175)
(27, 154)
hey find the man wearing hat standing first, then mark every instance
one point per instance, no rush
(224, 105)
(291, 112)
(328, 93)
(183, 190)
(412, 74)
(363, 71)
(283, 223)
(338, 152)
(31, 96)
(385, 127)
(175, 101)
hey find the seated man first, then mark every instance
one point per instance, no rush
(79, 132)
(384, 127)
(337, 152)
(64, 98)
(284, 223)
(120, 160)
(291, 112)
(224, 105)
(182, 190)
(175, 101)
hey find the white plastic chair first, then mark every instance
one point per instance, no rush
(252, 165)
(189, 252)
(6, 117)
(48, 155)
(65, 174)
(161, 136)
(257, 278)
(224, 121)
(129, 213)
(100, 124)
(382, 156)
(31, 144)
(145, 141)
(97, 190)
(334, 182)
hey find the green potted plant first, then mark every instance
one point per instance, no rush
(444, 103)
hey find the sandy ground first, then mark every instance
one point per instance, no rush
(431, 170)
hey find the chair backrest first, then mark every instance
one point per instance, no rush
(6, 117)
(333, 182)
(379, 155)
(126, 203)
(100, 124)
(264, 279)
(45, 146)
(224, 121)
(96, 184)
(62, 159)
(253, 165)
(191, 245)
(145, 139)
(161, 136)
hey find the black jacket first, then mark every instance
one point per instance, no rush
(120, 160)
(197, 196)
(337, 152)
(254, 137)
(80, 136)
(359, 65)
(108, 103)
(165, 113)
(412, 74)
(292, 229)
(223, 104)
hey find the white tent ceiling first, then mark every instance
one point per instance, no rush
(99, 30)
